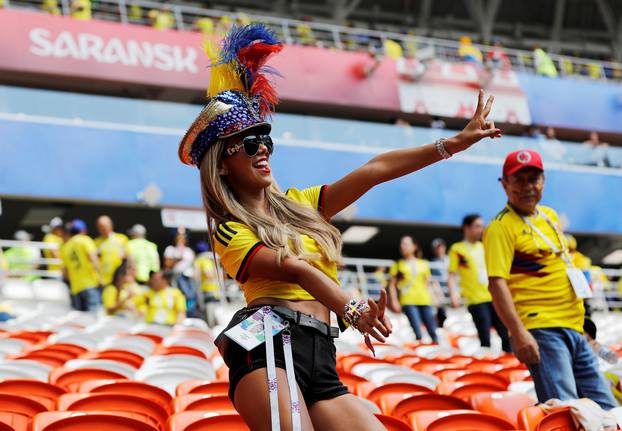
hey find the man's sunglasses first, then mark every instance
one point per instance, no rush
(251, 144)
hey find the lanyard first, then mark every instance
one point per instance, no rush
(564, 251)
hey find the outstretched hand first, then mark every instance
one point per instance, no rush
(374, 322)
(479, 127)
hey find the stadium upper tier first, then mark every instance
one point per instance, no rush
(84, 147)
(186, 18)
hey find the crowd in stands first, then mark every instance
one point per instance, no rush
(122, 275)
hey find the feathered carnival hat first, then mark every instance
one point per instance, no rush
(240, 94)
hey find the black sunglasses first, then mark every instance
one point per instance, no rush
(251, 144)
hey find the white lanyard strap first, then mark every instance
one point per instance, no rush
(271, 369)
(546, 239)
(291, 380)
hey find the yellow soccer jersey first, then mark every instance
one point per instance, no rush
(204, 264)
(164, 306)
(467, 260)
(236, 244)
(412, 282)
(112, 250)
(50, 238)
(110, 295)
(536, 277)
(80, 270)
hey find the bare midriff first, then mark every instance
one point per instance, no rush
(312, 308)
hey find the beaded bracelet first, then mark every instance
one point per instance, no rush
(353, 310)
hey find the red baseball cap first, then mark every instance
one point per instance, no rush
(517, 160)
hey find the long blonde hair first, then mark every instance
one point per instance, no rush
(279, 228)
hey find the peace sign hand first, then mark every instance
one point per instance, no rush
(479, 127)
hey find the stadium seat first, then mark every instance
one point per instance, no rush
(129, 387)
(209, 403)
(38, 370)
(71, 379)
(188, 362)
(74, 349)
(101, 364)
(484, 378)
(465, 390)
(14, 422)
(21, 404)
(468, 422)
(206, 421)
(10, 346)
(132, 359)
(132, 343)
(222, 373)
(420, 420)
(388, 395)
(393, 424)
(428, 402)
(505, 405)
(28, 387)
(534, 419)
(167, 379)
(451, 375)
(81, 421)
(431, 367)
(351, 380)
(461, 360)
(514, 374)
(51, 358)
(179, 350)
(203, 387)
(8, 371)
(114, 402)
(348, 362)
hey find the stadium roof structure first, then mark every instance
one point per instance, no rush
(588, 28)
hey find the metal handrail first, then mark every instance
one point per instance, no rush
(341, 37)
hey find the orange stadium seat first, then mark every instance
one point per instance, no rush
(419, 420)
(203, 387)
(388, 395)
(52, 358)
(153, 337)
(208, 403)
(450, 375)
(32, 388)
(461, 360)
(363, 389)
(129, 387)
(71, 379)
(14, 422)
(505, 405)
(179, 350)
(222, 373)
(534, 419)
(82, 421)
(129, 358)
(431, 367)
(465, 390)
(21, 404)
(484, 378)
(206, 421)
(407, 360)
(468, 422)
(393, 424)
(514, 374)
(87, 402)
(348, 362)
(428, 402)
(351, 380)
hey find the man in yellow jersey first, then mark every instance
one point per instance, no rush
(165, 305)
(81, 9)
(466, 261)
(205, 275)
(111, 247)
(79, 256)
(537, 291)
(55, 237)
(143, 253)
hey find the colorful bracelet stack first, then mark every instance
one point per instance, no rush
(353, 311)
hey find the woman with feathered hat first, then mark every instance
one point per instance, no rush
(281, 248)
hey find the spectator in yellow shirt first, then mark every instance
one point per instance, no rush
(161, 19)
(51, 7)
(467, 262)
(411, 277)
(56, 238)
(537, 291)
(111, 246)
(81, 267)
(165, 305)
(143, 253)
(81, 9)
(23, 259)
(124, 296)
(205, 274)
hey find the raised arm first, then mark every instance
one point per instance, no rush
(394, 164)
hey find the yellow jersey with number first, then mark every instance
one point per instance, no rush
(236, 244)
(412, 281)
(536, 277)
(468, 261)
(112, 250)
(80, 270)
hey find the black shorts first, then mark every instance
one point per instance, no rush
(313, 353)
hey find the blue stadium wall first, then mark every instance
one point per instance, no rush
(78, 147)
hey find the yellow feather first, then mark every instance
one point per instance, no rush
(223, 76)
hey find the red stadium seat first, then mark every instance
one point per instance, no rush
(514, 374)
(393, 424)
(419, 420)
(469, 422)
(451, 375)
(222, 373)
(351, 380)
(465, 390)
(428, 402)
(179, 350)
(14, 422)
(20, 404)
(534, 419)
(351, 360)
(52, 358)
(388, 395)
(87, 402)
(129, 387)
(71, 379)
(203, 387)
(153, 337)
(209, 403)
(431, 367)
(205, 421)
(530, 417)
(364, 388)
(505, 405)
(82, 421)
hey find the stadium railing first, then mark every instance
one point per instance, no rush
(356, 274)
(332, 36)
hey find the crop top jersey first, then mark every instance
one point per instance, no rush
(236, 244)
